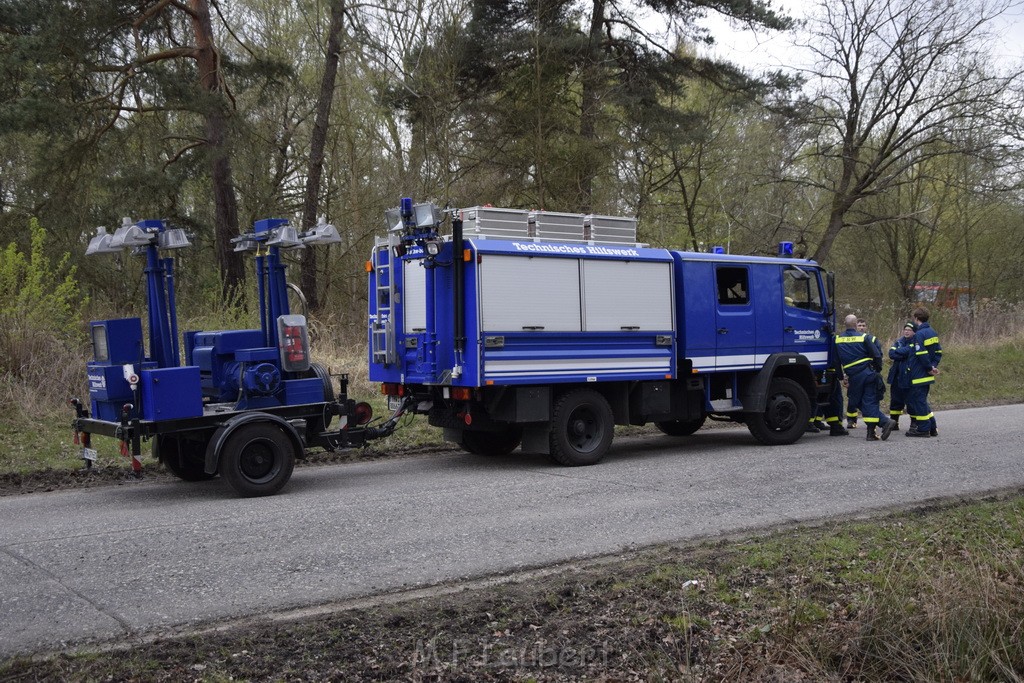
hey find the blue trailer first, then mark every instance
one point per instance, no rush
(244, 404)
(547, 330)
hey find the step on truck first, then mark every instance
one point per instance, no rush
(244, 404)
(546, 330)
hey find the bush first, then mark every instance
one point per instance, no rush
(41, 336)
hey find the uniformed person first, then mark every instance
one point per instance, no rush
(899, 373)
(851, 410)
(924, 355)
(862, 361)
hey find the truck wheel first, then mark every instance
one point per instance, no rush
(680, 427)
(257, 459)
(785, 415)
(184, 458)
(501, 442)
(581, 429)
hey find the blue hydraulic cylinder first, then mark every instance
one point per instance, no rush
(161, 347)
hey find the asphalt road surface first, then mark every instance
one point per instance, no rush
(125, 561)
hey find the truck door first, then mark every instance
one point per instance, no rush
(734, 317)
(804, 325)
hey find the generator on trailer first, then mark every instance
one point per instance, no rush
(245, 403)
(548, 329)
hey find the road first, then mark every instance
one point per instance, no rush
(124, 561)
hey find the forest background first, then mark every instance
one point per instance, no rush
(894, 155)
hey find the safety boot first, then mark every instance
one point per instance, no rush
(871, 436)
(888, 427)
(837, 430)
(933, 432)
(895, 421)
(917, 432)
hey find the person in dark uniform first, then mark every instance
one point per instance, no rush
(899, 373)
(924, 355)
(862, 361)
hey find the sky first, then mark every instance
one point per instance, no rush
(765, 50)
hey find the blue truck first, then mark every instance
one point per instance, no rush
(546, 330)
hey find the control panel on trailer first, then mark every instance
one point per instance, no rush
(547, 329)
(245, 403)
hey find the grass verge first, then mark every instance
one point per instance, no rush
(931, 595)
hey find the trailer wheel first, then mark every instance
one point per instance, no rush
(581, 429)
(501, 442)
(257, 459)
(680, 427)
(785, 415)
(184, 458)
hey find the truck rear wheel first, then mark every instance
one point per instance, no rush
(501, 442)
(184, 458)
(257, 459)
(785, 416)
(581, 428)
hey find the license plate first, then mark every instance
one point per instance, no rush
(394, 402)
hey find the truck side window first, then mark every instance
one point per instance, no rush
(732, 286)
(800, 289)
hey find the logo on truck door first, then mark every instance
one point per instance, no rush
(807, 335)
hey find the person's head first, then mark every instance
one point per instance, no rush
(909, 329)
(851, 321)
(862, 325)
(920, 314)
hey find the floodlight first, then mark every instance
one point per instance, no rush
(427, 216)
(131, 235)
(394, 219)
(285, 237)
(175, 238)
(100, 244)
(323, 233)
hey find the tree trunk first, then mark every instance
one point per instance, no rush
(232, 268)
(317, 145)
(590, 102)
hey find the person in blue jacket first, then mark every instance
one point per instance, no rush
(924, 368)
(862, 361)
(899, 373)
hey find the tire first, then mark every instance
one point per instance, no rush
(500, 442)
(184, 458)
(681, 427)
(786, 413)
(582, 427)
(257, 459)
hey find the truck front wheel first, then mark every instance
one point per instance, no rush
(785, 416)
(257, 459)
(501, 442)
(581, 428)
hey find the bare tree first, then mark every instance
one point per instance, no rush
(317, 145)
(895, 78)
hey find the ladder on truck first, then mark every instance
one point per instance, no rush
(382, 337)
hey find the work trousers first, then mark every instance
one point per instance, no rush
(863, 394)
(921, 416)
